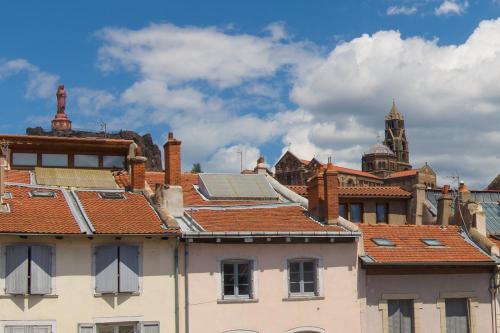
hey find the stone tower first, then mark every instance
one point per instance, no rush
(395, 137)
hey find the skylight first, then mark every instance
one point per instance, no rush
(236, 187)
(42, 194)
(112, 195)
(383, 242)
(431, 242)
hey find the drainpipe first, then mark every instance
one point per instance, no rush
(186, 285)
(494, 291)
(176, 282)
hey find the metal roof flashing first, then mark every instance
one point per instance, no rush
(236, 187)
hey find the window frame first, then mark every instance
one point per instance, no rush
(24, 153)
(8, 323)
(140, 258)
(386, 212)
(362, 212)
(235, 263)
(75, 156)
(3, 269)
(301, 262)
(55, 165)
(412, 307)
(346, 210)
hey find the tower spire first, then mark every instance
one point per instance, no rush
(394, 112)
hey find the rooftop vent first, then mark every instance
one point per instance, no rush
(383, 242)
(236, 187)
(111, 195)
(42, 194)
(431, 242)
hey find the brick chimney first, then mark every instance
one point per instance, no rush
(261, 167)
(61, 122)
(172, 149)
(4, 151)
(316, 194)
(331, 199)
(137, 173)
(444, 204)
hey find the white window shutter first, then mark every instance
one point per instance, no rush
(129, 269)
(41, 329)
(106, 265)
(86, 328)
(41, 270)
(16, 269)
(15, 329)
(150, 327)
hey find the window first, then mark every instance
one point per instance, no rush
(42, 194)
(117, 269)
(28, 329)
(237, 278)
(113, 162)
(356, 212)
(125, 327)
(302, 278)
(343, 210)
(383, 242)
(111, 195)
(28, 269)
(400, 314)
(457, 315)
(381, 210)
(27, 159)
(86, 161)
(431, 242)
(55, 160)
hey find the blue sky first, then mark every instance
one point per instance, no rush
(259, 76)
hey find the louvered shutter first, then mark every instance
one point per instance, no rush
(86, 328)
(457, 315)
(41, 270)
(106, 263)
(41, 329)
(15, 329)
(316, 277)
(129, 269)
(150, 327)
(16, 269)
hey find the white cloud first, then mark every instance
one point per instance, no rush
(231, 159)
(401, 10)
(90, 102)
(451, 7)
(40, 84)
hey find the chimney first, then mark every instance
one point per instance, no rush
(463, 192)
(172, 149)
(137, 173)
(4, 151)
(331, 199)
(61, 122)
(261, 166)
(444, 206)
(316, 194)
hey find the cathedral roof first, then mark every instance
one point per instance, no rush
(379, 148)
(394, 113)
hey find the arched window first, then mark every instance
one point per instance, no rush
(309, 329)
(350, 182)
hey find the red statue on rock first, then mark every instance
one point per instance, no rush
(61, 122)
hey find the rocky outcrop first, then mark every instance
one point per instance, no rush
(495, 184)
(148, 148)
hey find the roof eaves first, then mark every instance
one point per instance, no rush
(257, 234)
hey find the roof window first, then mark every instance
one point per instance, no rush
(431, 242)
(111, 195)
(383, 242)
(42, 194)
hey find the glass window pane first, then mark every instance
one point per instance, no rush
(295, 277)
(86, 161)
(309, 276)
(228, 290)
(343, 211)
(126, 329)
(243, 290)
(308, 266)
(295, 287)
(55, 160)
(29, 159)
(113, 162)
(309, 287)
(355, 212)
(381, 213)
(294, 267)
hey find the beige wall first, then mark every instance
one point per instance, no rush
(428, 290)
(337, 312)
(74, 300)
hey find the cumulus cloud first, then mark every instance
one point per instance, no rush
(40, 84)
(401, 10)
(90, 102)
(232, 159)
(451, 7)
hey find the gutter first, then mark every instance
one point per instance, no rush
(434, 264)
(176, 283)
(186, 287)
(313, 234)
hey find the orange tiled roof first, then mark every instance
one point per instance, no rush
(132, 215)
(275, 219)
(404, 173)
(410, 249)
(360, 191)
(37, 215)
(18, 176)
(374, 191)
(354, 172)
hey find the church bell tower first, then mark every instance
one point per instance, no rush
(395, 137)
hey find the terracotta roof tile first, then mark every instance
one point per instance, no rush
(361, 191)
(354, 172)
(18, 176)
(132, 215)
(276, 219)
(37, 215)
(410, 249)
(405, 173)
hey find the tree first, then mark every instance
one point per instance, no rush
(196, 168)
